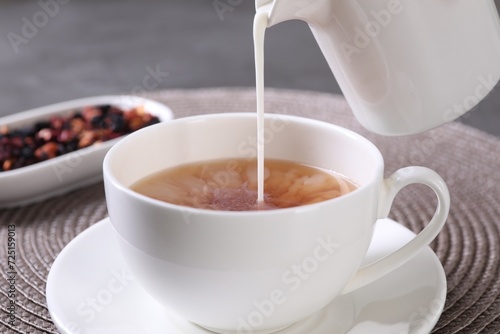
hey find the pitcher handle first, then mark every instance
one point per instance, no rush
(391, 186)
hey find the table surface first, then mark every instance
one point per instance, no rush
(103, 47)
(468, 246)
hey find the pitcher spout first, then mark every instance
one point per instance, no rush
(284, 10)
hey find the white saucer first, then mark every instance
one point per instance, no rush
(91, 291)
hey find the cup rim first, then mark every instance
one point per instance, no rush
(109, 177)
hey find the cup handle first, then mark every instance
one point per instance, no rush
(391, 186)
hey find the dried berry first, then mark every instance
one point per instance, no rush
(106, 108)
(61, 135)
(66, 136)
(56, 122)
(27, 152)
(71, 146)
(98, 122)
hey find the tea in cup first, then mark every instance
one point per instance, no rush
(255, 271)
(231, 185)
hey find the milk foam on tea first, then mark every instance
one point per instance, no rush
(231, 185)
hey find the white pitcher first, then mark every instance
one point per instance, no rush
(404, 66)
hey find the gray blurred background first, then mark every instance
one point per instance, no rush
(96, 47)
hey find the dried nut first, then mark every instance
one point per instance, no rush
(77, 125)
(140, 110)
(130, 115)
(4, 130)
(135, 124)
(7, 164)
(86, 139)
(45, 134)
(46, 151)
(89, 113)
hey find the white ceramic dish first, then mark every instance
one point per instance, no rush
(91, 291)
(70, 171)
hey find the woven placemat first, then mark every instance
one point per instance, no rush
(468, 246)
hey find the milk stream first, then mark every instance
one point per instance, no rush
(259, 31)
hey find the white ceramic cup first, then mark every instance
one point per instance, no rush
(256, 272)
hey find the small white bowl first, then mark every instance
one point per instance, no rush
(69, 171)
